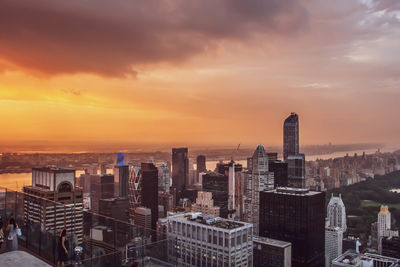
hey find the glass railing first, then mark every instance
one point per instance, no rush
(92, 239)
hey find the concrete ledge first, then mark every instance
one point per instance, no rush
(20, 258)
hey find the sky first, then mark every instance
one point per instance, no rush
(199, 72)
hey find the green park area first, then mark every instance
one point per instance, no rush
(363, 200)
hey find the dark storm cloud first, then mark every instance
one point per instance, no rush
(109, 37)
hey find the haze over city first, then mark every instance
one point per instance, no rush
(251, 133)
(162, 72)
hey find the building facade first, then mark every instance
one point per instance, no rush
(297, 216)
(268, 252)
(164, 177)
(258, 179)
(218, 185)
(333, 244)
(54, 202)
(201, 164)
(199, 240)
(150, 191)
(291, 136)
(205, 204)
(336, 212)
(180, 171)
(296, 170)
(280, 170)
(102, 186)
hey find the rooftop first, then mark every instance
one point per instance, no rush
(199, 218)
(294, 191)
(52, 169)
(271, 242)
(20, 258)
(349, 257)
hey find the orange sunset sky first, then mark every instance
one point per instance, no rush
(199, 72)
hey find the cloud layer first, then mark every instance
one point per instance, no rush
(112, 37)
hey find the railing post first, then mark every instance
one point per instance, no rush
(54, 234)
(40, 234)
(115, 244)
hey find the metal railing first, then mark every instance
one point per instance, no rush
(93, 239)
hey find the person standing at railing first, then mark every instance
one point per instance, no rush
(12, 239)
(62, 248)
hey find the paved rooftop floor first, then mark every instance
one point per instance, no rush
(20, 258)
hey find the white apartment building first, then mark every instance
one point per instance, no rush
(333, 244)
(202, 240)
(258, 179)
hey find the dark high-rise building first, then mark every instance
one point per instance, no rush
(296, 216)
(117, 208)
(150, 190)
(201, 164)
(291, 136)
(101, 187)
(280, 170)
(391, 247)
(296, 170)
(268, 252)
(122, 176)
(217, 184)
(180, 170)
(272, 156)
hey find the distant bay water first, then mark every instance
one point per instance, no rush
(16, 181)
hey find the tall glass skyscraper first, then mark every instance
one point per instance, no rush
(180, 170)
(291, 136)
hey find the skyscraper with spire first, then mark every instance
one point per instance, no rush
(258, 179)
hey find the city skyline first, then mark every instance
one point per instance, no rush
(227, 79)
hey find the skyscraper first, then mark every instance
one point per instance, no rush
(121, 175)
(54, 202)
(201, 164)
(333, 244)
(291, 136)
(291, 155)
(296, 216)
(102, 186)
(180, 171)
(218, 185)
(336, 213)
(235, 187)
(150, 190)
(384, 221)
(280, 170)
(296, 170)
(164, 177)
(258, 179)
(384, 226)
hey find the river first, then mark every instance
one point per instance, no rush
(16, 181)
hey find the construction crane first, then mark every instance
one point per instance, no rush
(235, 152)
